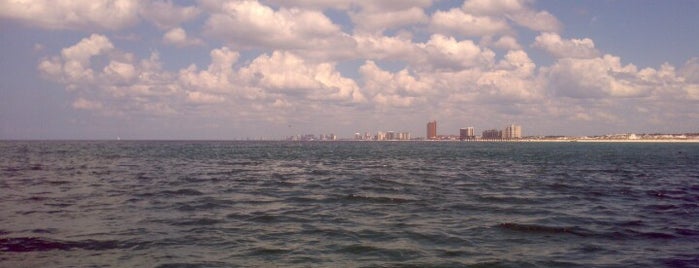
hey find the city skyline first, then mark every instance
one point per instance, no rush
(268, 69)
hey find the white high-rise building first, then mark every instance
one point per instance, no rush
(512, 132)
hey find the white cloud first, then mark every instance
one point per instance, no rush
(287, 74)
(374, 46)
(178, 37)
(560, 48)
(95, 45)
(124, 84)
(519, 11)
(507, 42)
(84, 104)
(73, 15)
(399, 89)
(120, 71)
(460, 22)
(541, 21)
(290, 58)
(377, 6)
(494, 7)
(595, 78)
(166, 15)
(366, 21)
(313, 4)
(218, 77)
(74, 66)
(446, 53)
(248, 24)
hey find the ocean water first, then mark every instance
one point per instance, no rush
(348, 204)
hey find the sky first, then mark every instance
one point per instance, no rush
(207, 69)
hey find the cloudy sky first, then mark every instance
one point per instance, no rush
(209, 69)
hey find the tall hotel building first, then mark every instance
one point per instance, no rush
(432, 130)
(467, 133)
(512, 132)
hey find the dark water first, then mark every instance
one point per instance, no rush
(348, 204)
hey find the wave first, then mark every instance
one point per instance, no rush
(543, 229)
(31, 244)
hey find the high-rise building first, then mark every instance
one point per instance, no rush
(512, 132)
(467, 133)
(432, 130)
(380, 136)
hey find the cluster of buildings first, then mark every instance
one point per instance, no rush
(510, 132)
(383, 136)
(311, 137)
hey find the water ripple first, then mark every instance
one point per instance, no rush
(347, 204)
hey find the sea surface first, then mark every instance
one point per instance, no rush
(348, 204)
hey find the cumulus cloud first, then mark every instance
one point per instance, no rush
(138, 86)
(260, 26)
(166, 15)
(393, 89)
(73, 15)
(178, 37)
(560, 48)
(218, 77)
(313, 4)
(376, 46)
(541, 21)
(519, 11)
(290, 75)
(595, 78)
(512, 80)
(84, 104)
(391, 56)
(379, 21)
(494, 7)
(446, 53)
(74, 66)
(507, 42)
(120, 72)
(459, 22)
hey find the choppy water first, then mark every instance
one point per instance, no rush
(348, 204)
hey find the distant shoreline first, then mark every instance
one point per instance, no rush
(614, 140)
(571, 140)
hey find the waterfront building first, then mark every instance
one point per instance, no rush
(512, 132)
(467, 133)
(492, 134)
(432, 130)
(380, 136)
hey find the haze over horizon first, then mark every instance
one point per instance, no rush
(272, 68)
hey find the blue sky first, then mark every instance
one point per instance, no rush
(273, 68)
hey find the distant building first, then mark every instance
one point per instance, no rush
(512, 132)
(380, 136)
(467, 133)
(492, 134)
(432, 130)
